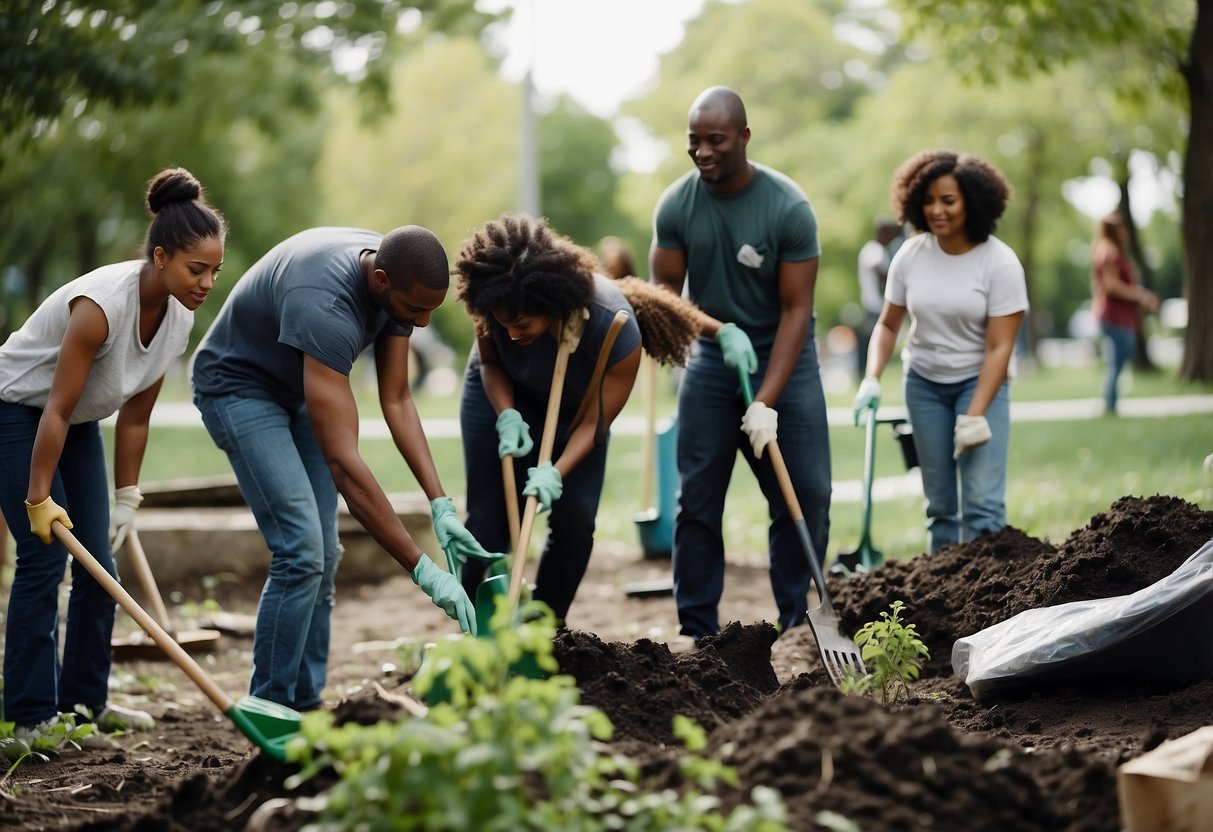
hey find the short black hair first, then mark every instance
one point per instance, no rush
(518, 264)
(412, 255)
(983, 186)
(181, 217)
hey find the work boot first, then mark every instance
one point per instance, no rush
(116, 718)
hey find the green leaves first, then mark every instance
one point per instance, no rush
(895, 651)
(507, 752)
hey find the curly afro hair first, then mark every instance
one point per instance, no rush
(985, 190)
(668, 323)
(518, 264)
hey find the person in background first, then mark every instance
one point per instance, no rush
(617, 258)
(743, 237)
(1116, 294)
(966, 296)
(271, 379)
(873, 270)
(520, 282)
(99, 344)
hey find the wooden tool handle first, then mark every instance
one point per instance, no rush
(511, 499)
(604, 355)
(143, 571)
(546, 443)
(650, 433)
(163, 640)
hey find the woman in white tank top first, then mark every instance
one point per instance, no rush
(98, 345)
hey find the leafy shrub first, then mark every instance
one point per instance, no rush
(896, 653)
(508, 752)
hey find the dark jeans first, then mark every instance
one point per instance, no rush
(710, 408)
(570, 540)
(36, 685)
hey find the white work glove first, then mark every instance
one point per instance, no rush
(867, 397)
(970, 432)
(759, 423)
(122, 517)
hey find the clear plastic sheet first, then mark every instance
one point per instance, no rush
(1163, 631)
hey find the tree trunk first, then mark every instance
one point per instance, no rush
(1198, 201)
(1031, 212)
(1141, 356)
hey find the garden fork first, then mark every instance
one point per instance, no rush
(839, 654)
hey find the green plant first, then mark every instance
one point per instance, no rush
(508, 752)
(895, 651)
(60, 736)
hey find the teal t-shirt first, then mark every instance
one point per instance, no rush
(734, 244)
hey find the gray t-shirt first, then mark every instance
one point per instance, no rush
(122, 366)
(950, 298)
(306, 296)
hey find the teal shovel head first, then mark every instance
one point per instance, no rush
(269, 725)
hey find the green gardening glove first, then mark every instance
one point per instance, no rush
(513, 435)
(738, 351)
(456, 541)
(545, 483)
(446, 592)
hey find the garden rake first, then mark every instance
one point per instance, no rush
(839, 654)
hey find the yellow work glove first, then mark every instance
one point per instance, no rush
(42, 514)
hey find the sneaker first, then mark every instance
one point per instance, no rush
(116, 718)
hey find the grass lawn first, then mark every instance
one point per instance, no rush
(1061, 473)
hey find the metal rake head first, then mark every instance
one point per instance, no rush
(839, 655)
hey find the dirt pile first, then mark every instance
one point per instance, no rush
(938, 761)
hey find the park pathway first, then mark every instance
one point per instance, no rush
(184, 414)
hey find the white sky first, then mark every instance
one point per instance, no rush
(600, 52)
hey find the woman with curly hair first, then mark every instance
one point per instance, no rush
(519, 281)
(965, 293)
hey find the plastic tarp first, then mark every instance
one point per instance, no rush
(1163, 631)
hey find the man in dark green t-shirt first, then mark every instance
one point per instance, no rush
(743, 237)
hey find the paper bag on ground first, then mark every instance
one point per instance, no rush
(1169, 789)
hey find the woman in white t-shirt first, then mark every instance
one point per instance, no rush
(98, 345)
(965, 293)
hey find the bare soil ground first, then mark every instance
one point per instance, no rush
(1043, 759)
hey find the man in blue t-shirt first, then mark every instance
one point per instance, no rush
(271, 378)
(743, 237)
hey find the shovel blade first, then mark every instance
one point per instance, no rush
(269, 725)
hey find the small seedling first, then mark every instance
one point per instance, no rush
(895, 651)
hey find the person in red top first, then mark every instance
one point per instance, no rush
(1116, 295)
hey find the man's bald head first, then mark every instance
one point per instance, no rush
(721, 100)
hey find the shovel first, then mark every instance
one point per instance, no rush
(270, 726)
(139, 646)
(865, 556)
(839, 654)
(568, 343)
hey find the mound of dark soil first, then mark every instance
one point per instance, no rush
(935, 760)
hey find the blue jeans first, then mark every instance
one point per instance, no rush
(710, 408)
(36, 686)
(571, 523)
(286, 482)
(965, 498)
(1120, 344)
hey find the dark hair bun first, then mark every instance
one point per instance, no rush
(172, 185)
